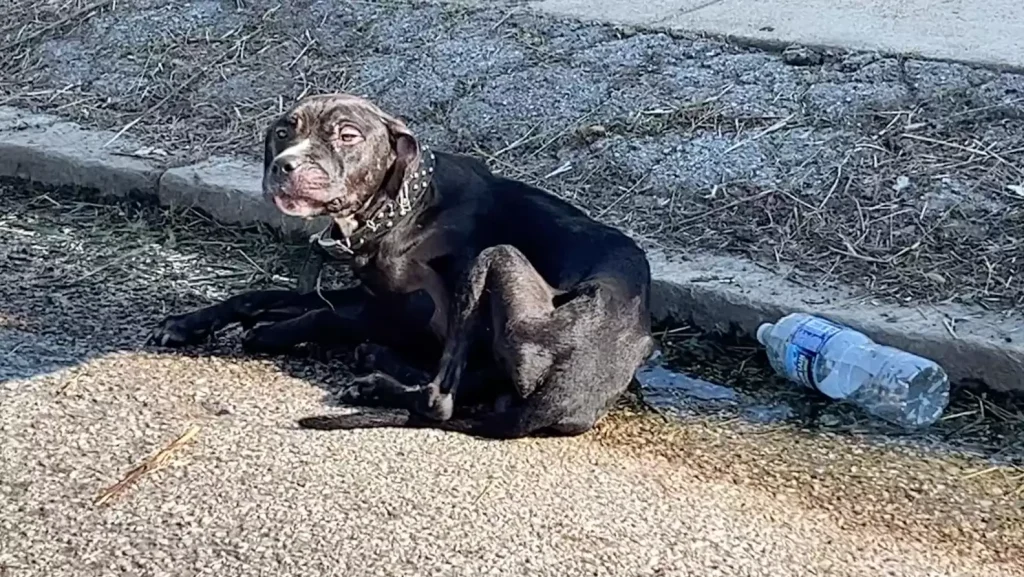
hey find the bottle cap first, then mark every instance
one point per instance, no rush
(762, 332)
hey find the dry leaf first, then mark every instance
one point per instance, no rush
(901, 183)
(149, 152)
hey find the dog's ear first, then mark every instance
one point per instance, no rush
(268, 150)
(404, 144)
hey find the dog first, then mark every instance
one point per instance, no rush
(505, 293)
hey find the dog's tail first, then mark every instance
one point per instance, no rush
(371, 418)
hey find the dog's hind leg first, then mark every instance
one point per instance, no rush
(521, 303)
(391, 379)
(373, 357)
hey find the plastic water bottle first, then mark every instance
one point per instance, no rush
(844, 364)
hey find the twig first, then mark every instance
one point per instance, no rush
(253, 263)
(959, 415)
(487, 487)
(149, 465)
(564, 130)
(560, 170)
(950, 325)
(504, 18)
(980, 151)
(521, 141)
(68, 385)
(979, 473)
(732, 204)
(850, 252)
(104, 267)
(177, 89)
(504, 166)
(629, 191)
(73, 16)
(835, 185)
(301, 53)
(778, 125)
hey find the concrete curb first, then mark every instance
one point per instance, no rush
(971, 32)
(714, 293)
(229, 190)
(730, 295)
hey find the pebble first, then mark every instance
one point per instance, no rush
(801, 56)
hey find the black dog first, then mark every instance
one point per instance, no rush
(450, 257)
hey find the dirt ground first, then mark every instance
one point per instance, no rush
(82, 403)
(898, 176)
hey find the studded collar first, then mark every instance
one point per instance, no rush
(384, 213)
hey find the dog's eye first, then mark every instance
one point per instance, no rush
(349, 135)
(281, 133)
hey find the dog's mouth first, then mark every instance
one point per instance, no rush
(305, 193)
(299, 206)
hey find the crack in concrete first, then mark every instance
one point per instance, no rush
(689, 10)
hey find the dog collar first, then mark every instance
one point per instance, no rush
(383, 217)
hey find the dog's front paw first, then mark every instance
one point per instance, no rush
(373, 389)
(436, 405)
(264, 339)
(178, 331)
(367, 356)
(357, 391)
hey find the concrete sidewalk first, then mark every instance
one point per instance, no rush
(988, 32)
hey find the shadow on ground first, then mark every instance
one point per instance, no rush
(86, 277)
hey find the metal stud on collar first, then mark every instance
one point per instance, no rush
(404, 204)
(418, 180)
(327, 243)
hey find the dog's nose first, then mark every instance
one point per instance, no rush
(286, 165)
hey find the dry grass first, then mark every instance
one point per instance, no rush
(85, 278)
(157, 242)
(889, 221)
(29, 21)
(94, 277)
(167, 101)
(874, 224)
(869, 224)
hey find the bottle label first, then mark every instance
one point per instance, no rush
(809, 338)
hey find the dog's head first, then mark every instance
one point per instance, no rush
(333, 154)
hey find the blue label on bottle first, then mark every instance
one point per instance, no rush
(809, 338)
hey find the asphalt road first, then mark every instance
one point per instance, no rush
(249, 494)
